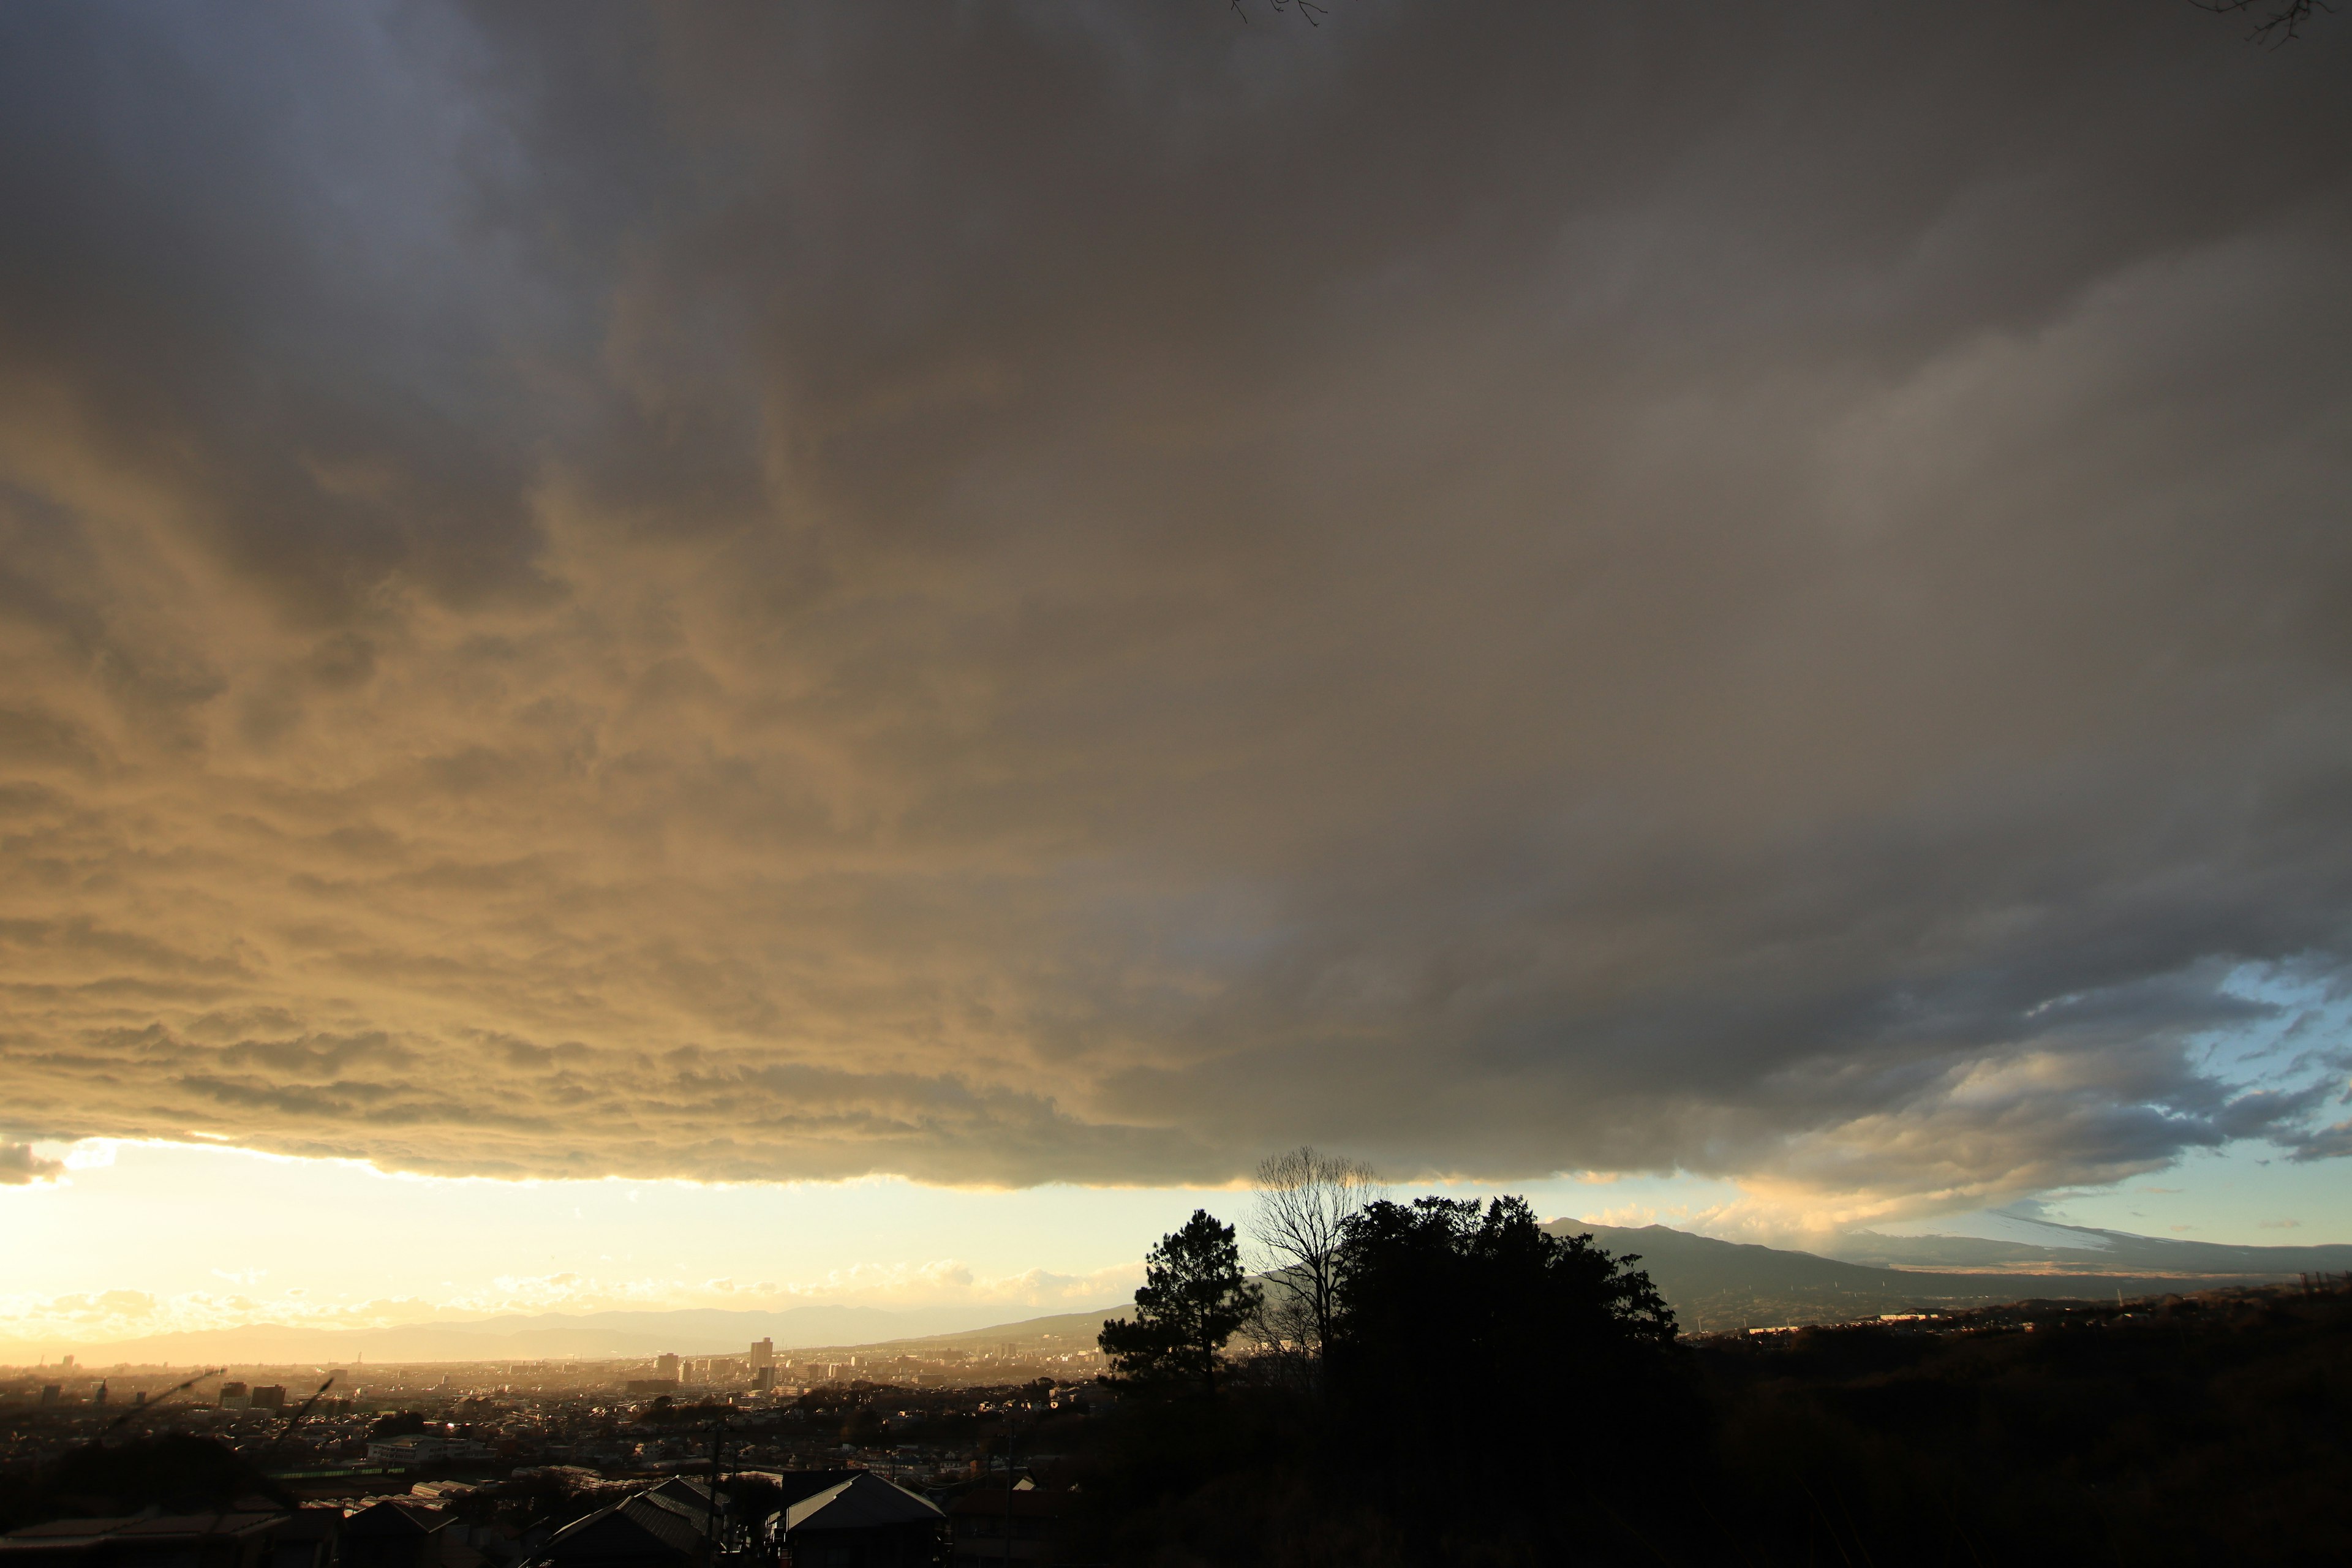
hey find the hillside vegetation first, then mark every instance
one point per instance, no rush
(1493, 1393)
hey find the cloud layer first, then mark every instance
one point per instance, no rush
(1029, 593)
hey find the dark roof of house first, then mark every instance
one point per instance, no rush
(798, 1483)
(62, 1534)
(644, 1525)
(660, 1511)
(58, 1529)
(863, 1501)
(394, 1518)
(310, 1524)
(685, 1489)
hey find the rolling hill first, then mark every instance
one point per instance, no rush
(1716, 1285)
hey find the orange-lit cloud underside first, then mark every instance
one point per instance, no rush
(1022, 596)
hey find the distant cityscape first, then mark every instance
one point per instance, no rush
(569, 1412)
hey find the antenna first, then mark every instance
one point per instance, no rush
(287, 1430)
(138, 1410)
(710, 1503)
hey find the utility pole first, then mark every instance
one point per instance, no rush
(710, 1507)
(1008, 1481)
(287, 1430)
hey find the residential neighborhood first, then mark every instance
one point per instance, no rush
(859, 1460)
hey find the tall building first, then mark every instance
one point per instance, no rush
(763, 1354)
(665, 1365)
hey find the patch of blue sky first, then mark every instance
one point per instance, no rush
(2251, 1192)
(2304, 1036)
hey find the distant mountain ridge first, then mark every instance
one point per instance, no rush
(2039, 1246)
(1715, 1285)
(1711, 1284)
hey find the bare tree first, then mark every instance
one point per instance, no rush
(1304, 1201)
(1307, 8)
(2274, 22)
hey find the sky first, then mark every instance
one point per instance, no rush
(935, 627)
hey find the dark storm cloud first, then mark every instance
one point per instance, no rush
(1032, 592)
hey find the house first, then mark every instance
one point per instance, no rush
(859, 1520)
(795, 1485)
(644, 1530)
(423, 1449)
(396, 1534)
(414, 1450)
(693, 1494)
(308, 1539)
(239, 1538)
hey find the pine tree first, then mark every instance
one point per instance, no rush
(1193, 1299)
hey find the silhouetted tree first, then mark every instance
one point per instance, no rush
(174, 1472)
(1304, 1199)
(1492, 1271)
(1464, 1330)
(1195, 1297)
(397, 1424)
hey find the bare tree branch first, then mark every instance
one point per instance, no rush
(2283, 24)
(1304, 1201)
(1307, 8)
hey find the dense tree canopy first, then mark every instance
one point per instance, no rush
(1193, 1297)
(1465, 1331)
(1503, 1288)
(174, 1472)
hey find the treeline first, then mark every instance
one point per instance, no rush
(1440, 1382)
(1430, 1380)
